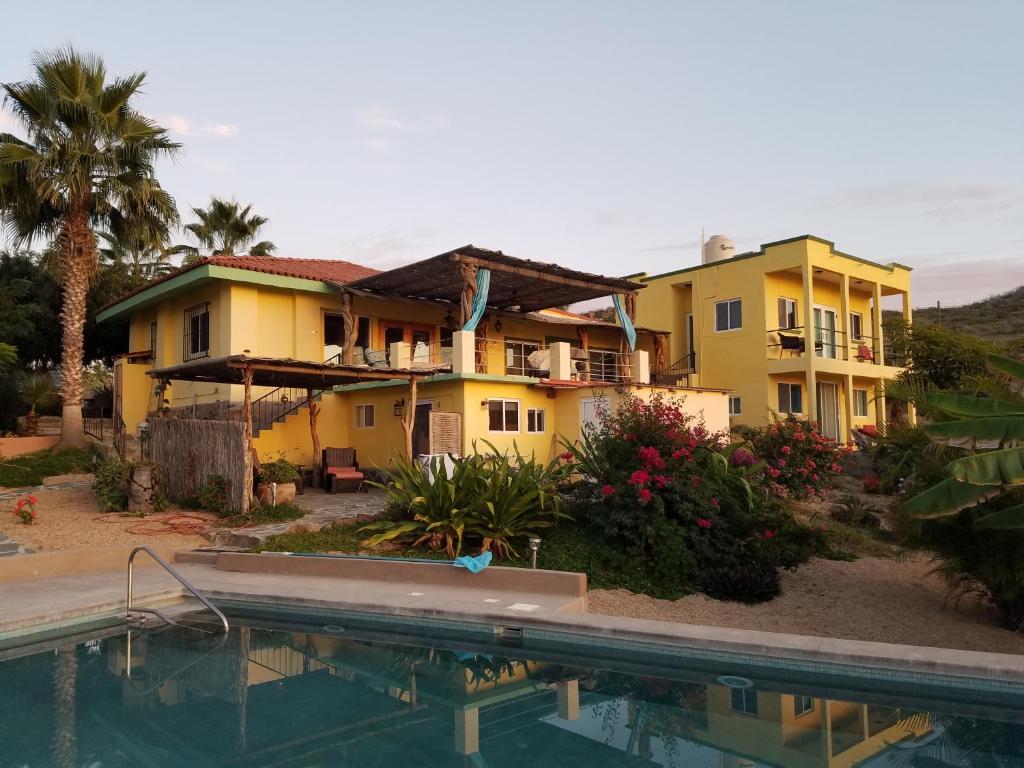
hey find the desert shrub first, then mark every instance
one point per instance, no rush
(111, 485)
(30, 469)
(853, 510)
(750, 579)
(215, 496)
(486, 501)
(280, 471)
(260, 514)
(906, 460)
(800, 461)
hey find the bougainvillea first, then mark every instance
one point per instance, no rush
(800, 462)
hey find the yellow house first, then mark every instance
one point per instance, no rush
(795, 327)
(525, 375)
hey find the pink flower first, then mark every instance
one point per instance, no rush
(567, 456)
(815, 478)
(780, 463)
(607, 490)
(32, 499)
(704, 523)
(640, 477)
(787, 450)
(714, 502)
(21, 503)
(769, 534)
(773, 472)
(661, 481)
(644, 494)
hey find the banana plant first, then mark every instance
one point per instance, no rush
(992, 430)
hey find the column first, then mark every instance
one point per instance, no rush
(876, 324)
(560, 364)
(844, 307)
(467, 731)
(640, 367)
(848, 407)
(399, 355)
(568, 694)
(463, 352)
(807, 275)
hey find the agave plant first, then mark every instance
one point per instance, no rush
(991, 432)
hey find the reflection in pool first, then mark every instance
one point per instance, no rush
(273, 696)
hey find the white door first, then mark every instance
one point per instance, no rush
(828, 409)
(825, 332)
(591, 409)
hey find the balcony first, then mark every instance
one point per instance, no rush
(505, 357)
(829, 344)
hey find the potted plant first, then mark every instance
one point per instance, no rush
(276, 484)
(38, 391)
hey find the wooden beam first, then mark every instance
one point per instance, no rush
(540, 275)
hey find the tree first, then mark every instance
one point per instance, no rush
(87, 162)
(224, 229)
(29, 309)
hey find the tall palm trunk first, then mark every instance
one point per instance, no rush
(79, 255)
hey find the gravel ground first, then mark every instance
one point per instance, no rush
(67, 518)
(889, 601)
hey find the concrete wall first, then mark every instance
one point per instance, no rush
(17, 446)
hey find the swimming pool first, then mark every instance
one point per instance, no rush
(309, 691)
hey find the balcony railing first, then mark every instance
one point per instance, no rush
(514, 358)
(670, 374)
(828, 343)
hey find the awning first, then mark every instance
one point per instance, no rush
(514, 283)
(282, 372)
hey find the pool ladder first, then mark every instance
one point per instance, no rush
(136, 621)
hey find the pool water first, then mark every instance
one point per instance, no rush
(292, 694)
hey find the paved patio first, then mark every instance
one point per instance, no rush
(322, 510)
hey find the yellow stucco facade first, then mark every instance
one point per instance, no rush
(247, 312)
(794, 327)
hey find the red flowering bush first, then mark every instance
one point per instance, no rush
(800, 462)
(25, 509)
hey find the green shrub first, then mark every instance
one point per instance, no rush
(800, 462)
(111, 485)
(260, 514)
(215, 496)
(853, 510)
(752, 579)
(30, 469)
(488, 499)
(281, 471)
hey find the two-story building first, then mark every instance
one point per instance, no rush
(483, 336)
(795, 327)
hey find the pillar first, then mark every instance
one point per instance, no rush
(640, 368)
(844, 308)
(467, 731)
(810, 332)
(463, 352)
(568, 695)
(876, 324)
(399, 355)
(848, 407)
(560, 364)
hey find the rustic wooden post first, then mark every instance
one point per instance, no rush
(314, 413)
(583, 334)
(469, 270)
(409, 418)
(659, 352)
(482, 350)
(247, 407)
(348, 321)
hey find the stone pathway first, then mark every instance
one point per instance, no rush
(9, 546)
(61, 482)
(322, 510)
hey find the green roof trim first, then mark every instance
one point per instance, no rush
(892, 266)
(437, 378)
(187, 279)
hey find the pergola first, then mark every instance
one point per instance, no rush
(251, 371)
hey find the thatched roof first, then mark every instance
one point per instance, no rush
(527, 285)
(280, 372)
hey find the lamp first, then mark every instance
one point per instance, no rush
(497, 325)
(449, 320)
(399, 406)
(534, 546)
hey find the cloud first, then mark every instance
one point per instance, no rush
(932, 200)
(375, 145)
(380, 117)
(184, 126)
(380, 121)
(390, 248)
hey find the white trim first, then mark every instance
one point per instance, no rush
(519, 415)
(739, 403)
(543, 417)
(856, 400)
(364, 406)
(731, 327)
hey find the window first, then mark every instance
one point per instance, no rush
(735, 406)
(503, 415)
(790, 398)
(535, 420)
(334, 334)
(744, 700)
(856, 326)
(860, 402)
(365, 416)
(728, 315)
(516, 354)
(802, 705)
(787, 313)
(603, 365)
(197, 332)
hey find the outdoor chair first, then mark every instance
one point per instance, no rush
(864, 354)
(340, 470)
(791, 343)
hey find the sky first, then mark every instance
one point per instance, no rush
(602, 136)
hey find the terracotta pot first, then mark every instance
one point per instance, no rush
(266, 494)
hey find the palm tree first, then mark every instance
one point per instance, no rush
(225, 228)
(140, 260)
(87, 162)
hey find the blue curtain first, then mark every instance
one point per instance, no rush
(483, 284)
(625, 322)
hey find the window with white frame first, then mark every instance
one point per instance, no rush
(790, 398)
(365, 416)
(856, 326)
(197, 332)
(502, 415)
(787, 313)
(517, 354)
(603, 365)
(728, 315)
(744, 700)
(535, 420)
(860, 402)
(735, 406)
(802, 705)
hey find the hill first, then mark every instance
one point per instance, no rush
(999, 319)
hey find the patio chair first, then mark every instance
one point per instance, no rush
(341, 470)
(864, 354)
(791, 343)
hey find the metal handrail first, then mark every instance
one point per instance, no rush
(184, 582)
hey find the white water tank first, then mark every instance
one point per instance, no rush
(718, 248)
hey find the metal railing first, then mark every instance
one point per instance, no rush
(670, 374)
(275, 405)
(831, 343)
(184, 582)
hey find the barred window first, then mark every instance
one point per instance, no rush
(197, 332)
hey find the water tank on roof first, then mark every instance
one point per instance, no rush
(718, 248)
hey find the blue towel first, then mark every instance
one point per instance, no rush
(473, 564)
